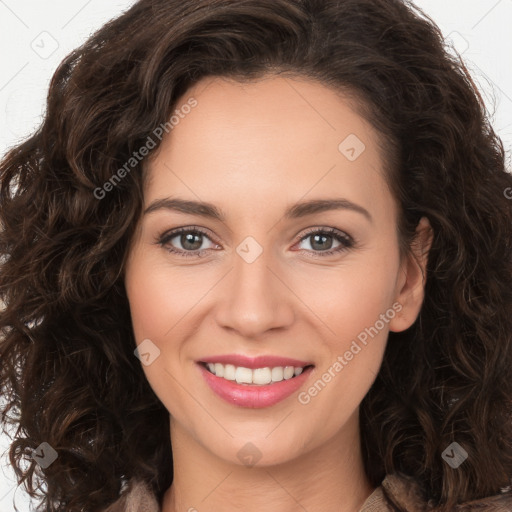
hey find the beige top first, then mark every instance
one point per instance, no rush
(396, 493)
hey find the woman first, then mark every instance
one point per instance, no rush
(369, 374)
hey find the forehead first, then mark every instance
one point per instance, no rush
(268, 141)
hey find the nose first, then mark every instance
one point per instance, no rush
(255, 297)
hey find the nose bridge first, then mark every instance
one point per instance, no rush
(255, 300)
(251, 266)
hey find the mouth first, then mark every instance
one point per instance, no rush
(263, 376)
(257, 387)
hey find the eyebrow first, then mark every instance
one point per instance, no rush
(296, 211)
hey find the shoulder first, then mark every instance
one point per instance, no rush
(396, 492)
(401, 492)
(138, 497)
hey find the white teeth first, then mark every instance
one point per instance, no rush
(243, 375)
(261, 376)
(219, 370)
(277, 374)
(229, 372)
(258, 376)
(289, 371)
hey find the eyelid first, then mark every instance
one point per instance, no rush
(326, 230)
(347, 241)
(171, 233)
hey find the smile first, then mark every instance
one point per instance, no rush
(256, 387)
(256, 376)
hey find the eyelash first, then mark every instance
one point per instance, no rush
(346, 241)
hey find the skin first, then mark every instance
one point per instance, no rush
(253, 150)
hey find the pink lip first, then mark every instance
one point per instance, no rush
(255, 362)
(253, 396)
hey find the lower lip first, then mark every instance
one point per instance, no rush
(253, 396)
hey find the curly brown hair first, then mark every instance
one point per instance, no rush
(68, 375)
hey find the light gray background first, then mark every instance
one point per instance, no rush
(35, 35)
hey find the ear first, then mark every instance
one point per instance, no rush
(410, 290)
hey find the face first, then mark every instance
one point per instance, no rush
(269, 269)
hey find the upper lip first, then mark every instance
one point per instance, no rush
(255, 362)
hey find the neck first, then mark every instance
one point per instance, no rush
(329, 478)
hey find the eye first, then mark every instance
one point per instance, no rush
(190, 239)
(321, 241)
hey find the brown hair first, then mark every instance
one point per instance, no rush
(68, 374)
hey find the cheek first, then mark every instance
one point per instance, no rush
(162, 301)
(156, 307)
(355, 305)
(159, 296)
(357, 315)
(350, 298)
(346, 300)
